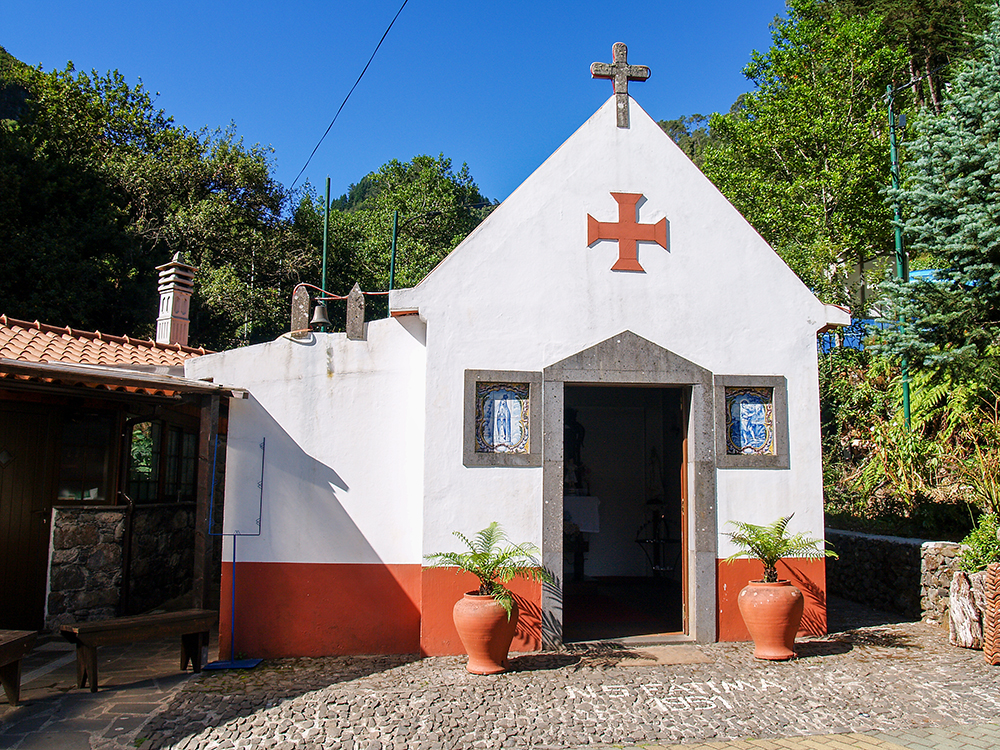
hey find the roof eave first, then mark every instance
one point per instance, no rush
(115, 377)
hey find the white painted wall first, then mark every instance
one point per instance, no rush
(524, 291)
(344, 425)
(365, 439)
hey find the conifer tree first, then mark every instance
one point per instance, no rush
(951, 212)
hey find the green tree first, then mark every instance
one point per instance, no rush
(691, 133)
(951, 211)
(934, 33)
(804, 156)
(98, 186)
(225, 211)
(61, 223)
(437, 207)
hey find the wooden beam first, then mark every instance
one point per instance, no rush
(206, 478)
(111, 377)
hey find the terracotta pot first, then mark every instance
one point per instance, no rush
(485, 631)
(772, 613)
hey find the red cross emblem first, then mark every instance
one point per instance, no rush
(627, 231)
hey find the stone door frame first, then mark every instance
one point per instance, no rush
(629, 359)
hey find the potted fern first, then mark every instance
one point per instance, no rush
(772, 608)
(487, 617)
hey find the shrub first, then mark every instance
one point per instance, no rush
(982, 546)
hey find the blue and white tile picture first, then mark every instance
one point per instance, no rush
(750, 421)
(501, 418)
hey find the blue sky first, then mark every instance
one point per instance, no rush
(497, 85)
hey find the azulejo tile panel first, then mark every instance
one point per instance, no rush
(750, 421)
(502, 418)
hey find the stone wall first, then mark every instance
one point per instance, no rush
(85, 564)
(87, 558)
(910, 577)
(162, 555)
(938, 565)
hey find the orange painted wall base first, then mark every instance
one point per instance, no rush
(312, 609)
(442, 587)
(808, 575)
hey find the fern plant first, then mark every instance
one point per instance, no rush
(495, 561)
(772, 543)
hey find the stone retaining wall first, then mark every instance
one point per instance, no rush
(939, 561)
(87, 556)
(908, 576)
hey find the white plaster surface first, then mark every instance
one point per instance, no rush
(524, 291)
(343, 428)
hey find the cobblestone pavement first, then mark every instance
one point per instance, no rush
(876, 687)
(971, 737)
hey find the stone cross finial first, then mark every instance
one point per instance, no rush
(621, 73)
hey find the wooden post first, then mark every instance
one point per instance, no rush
(209, 428)
(966, 605)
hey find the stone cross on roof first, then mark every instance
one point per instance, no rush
(621, 73)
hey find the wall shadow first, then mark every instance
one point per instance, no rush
(814, 617)
(896, 588)
(307, 580)
(551, 621)
(529, 621)
(845, 615)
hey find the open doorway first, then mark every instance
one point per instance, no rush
(624, 511)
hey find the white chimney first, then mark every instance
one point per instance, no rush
(176, 285)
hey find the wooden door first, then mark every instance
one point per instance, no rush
(27, 480)
(685, 409)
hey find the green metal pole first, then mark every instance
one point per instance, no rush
(326, 232)
(902, 272)
(392, 259)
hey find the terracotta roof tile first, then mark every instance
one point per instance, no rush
(38, 342)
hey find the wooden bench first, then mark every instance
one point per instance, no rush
(192, 625)
(14, 644)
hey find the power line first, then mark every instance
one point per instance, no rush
(349, 94)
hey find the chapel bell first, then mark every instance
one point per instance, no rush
(320, 319)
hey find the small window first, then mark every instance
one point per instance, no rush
(85, 462)
(163, 463)
(144, 466)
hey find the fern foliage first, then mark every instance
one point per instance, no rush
(495, 561)
(772, 543)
